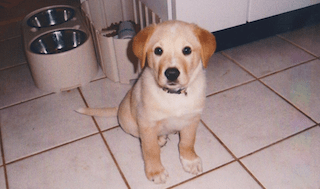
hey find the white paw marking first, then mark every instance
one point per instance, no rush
(160, 178)
(192, 166)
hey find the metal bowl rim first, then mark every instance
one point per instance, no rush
(59, 29)
(29, 22)
(28, 16)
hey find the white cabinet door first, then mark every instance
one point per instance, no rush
(212, 15)
(259, 9)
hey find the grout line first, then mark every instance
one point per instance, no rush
(202, 174)
(25, 101)
(3, 158)
(251, 174)
(13, 66)
(49, 149)
(296, 45)
(255, 77)
(111, 154)
(109, 129)
(16, 36)
(219, 140)
(238, 64)
(264, 76)
(105, 142)
(235, 157)
(279, 141)
(293, 66)
(270, 88)
(290, 103)
(227, 89)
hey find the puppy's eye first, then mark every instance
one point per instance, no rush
(158, 51)
(186, 51)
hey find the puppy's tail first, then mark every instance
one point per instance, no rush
(101, 112)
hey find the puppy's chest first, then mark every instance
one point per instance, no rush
(176, 112)
(177, 105)
(175, 124)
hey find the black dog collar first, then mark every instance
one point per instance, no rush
(180, 91)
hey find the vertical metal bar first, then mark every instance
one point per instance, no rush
(169, 5)
(154, 18)
(146, 12)
(141, 15)
(135, 14)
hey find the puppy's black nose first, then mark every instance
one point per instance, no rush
(172, 74)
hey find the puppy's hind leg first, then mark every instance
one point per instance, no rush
(126, 119)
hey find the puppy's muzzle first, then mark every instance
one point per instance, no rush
(172, 74)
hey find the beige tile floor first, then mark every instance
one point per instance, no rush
(260, 127)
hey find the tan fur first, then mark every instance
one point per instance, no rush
(149, 112)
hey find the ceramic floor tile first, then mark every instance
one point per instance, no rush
(132, 165)
(231, 176)
(2, 178)
(293, 163)
(268, 55)
(250, 117)
(300, 85)
(82, 164)
(10, 30)
(17, 86)
(307, 38)
(105, 93)
(222, 74)
(43, 123)
(11, 53)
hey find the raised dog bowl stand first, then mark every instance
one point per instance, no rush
(115, 55)
(59, 48)
(117, 59)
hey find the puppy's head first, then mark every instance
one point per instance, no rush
(175, 51)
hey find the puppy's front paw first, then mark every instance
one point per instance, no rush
(158, 176)
(192, 166)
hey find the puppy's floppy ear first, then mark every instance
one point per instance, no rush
(208, 44)
(140, 41)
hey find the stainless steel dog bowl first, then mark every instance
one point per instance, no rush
(59, 48)
(51, 17)
(58, 41)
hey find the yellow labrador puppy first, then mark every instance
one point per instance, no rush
(169, 95)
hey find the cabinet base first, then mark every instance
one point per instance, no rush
(267, 27)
